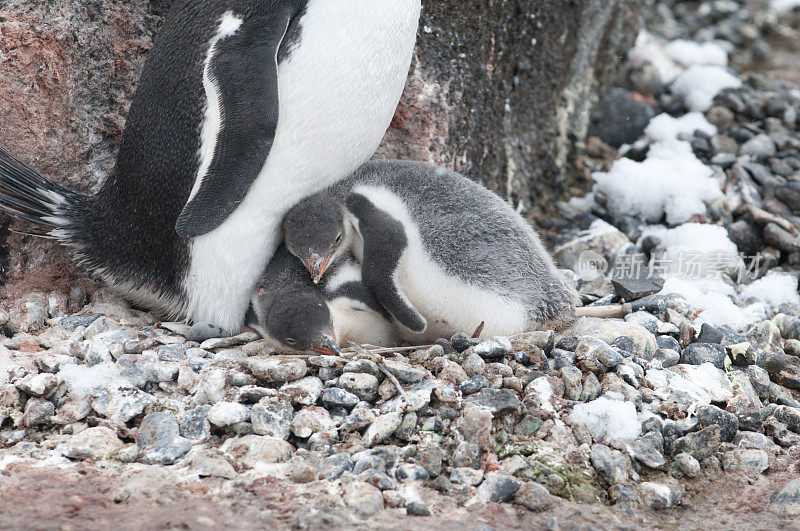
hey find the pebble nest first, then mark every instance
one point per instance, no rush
(625, 411)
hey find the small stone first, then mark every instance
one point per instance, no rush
(701, 444)
(38, 412)
(207, 464)
(760, 146)
(632, 289)
(534, 497)
(649, 449)
(783, 369)
(405, 372)
(611, 465)
(121, 404)
(688, 465)
(174, 352)
(364, 386)
(411, 472)
(305, 391)
(499, 401)
(699, 353)
(96, 443)
(159, 440)
(475, 426)
(751, 462)
(462, 342)
(225, 414)
(359, 418)
(275, 371)
(334, 466)
(573, 386)
(393, 499)
(272, 416)
(38, 385)
(200, 332)
(337, 397)
(302, 473)
(96, 352)
(228, 342)
(250, 450)
(417, 508)
(789, 416)
(709, 334)
(194, 424)
(382, 428)
(728, 422)
(492, 349)
(498, 487)
(473, 365)
(451, 372)
(659, 496)
(467, 455)
(467, 476)
(363, 498)
(786, 500)
(310, 420)
(363, 366)
(474, 384)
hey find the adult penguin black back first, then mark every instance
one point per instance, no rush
(243, 108)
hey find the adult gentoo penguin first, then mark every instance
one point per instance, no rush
(299, 315)
(244, 107)
(441, 253)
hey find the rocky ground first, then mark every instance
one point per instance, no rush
(684, 413)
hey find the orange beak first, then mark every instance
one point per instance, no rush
(318, 267)
(329, 346)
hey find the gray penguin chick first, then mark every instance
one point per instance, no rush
(441, 253)
(291, 310)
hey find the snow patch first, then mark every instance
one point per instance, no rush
(664, 127)
(784, 6)
(775, 288)
(689, 53)
(698, 86)
(83, 380)
(648, 50)
(705, 383)
(609, 420)
(670, 181)
(695, 258)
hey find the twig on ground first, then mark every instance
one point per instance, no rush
(611, 311)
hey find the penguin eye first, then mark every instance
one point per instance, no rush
(339, 238)
(291, 341)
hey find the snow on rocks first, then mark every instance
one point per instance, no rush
(611, 420)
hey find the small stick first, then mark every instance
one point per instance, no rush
(391, 350)
(612, 311)
(479, 330)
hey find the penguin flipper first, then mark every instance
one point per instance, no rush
(244, 83)
(385, 242)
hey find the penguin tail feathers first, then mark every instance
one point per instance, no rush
(27, 195)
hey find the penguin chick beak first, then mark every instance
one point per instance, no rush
(328, 346)
(319, 266)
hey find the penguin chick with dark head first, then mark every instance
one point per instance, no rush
(441, 253)
(290, 309)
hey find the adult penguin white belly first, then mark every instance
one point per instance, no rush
(243, 108)
(338, 89)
